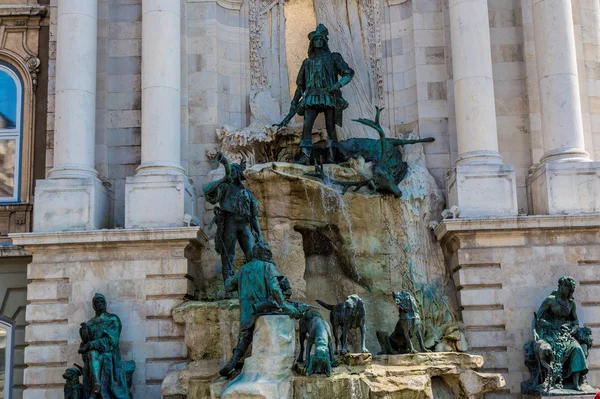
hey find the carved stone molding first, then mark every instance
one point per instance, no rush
(228, 4)
(395, 2)
(33, 64)
(21, 10)
(259, 10)
(372, 10)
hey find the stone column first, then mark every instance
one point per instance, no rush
(160, 194)
(566, 181)
(481, 185)
(73, 198)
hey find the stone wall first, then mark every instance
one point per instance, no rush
(505, 268)
(231, 47)
(143, 274)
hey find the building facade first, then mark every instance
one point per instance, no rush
(110, 112)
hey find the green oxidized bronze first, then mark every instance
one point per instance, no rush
(557, 356)
(73, 388)
(105, 376)
(389, 168)
(259, 284)
(236, 216)
(319, 83)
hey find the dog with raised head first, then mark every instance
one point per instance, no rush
(348, 314)
(319, 336)
(409, 319)
(73, 388)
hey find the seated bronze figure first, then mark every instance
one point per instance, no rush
(104, 374)
(557, 357)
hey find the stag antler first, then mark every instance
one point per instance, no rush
(375, 125)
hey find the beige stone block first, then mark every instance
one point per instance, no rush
(484, 317)
(47, 332)
(483, 190)
(43, 375)
(161, 307)
(481, 297)
(50, 312)
(163, 328)
(168, 287)
(166, 350)
(39, 354)
(486, 239)
(124, 119)
(486, 339)
(43, 393)
(46, 291)
(566, 188)
(38, 271)
(125, 48)
(71, 204)
(156, 371)
(478, 276)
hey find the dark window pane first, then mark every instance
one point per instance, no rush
(7, 167)
(8, 101)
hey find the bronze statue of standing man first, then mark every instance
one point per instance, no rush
(319, 90)
(237, 215)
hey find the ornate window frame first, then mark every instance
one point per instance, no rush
(15, 133)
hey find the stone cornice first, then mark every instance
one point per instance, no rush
(9, 10)
(516, 223)
(29, 240)
(228, 4)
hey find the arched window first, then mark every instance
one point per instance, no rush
(11, 108)
(7, 334)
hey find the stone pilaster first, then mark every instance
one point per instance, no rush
(565, 182)
(72, 197)
(160, 183)
(144, 275)
(481, 185)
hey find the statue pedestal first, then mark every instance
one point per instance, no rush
(268, 372)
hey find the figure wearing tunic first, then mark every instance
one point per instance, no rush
(318, 74)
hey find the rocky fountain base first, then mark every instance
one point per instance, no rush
(211, 327)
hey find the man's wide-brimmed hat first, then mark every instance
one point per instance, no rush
(321, 31)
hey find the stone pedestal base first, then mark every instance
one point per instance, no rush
(483, 190)
(70, 205)
(566, 188)
(158, 200)
(268, 372)
(144, 274)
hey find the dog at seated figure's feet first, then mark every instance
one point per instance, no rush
(319, 335)
(348, 314)
(409, 319)
(73, 388)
